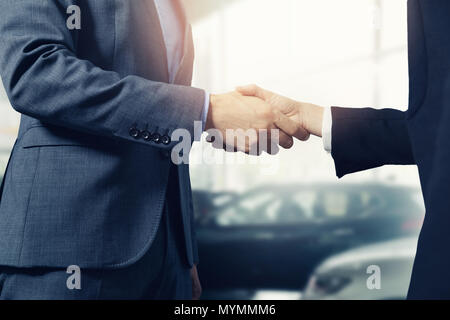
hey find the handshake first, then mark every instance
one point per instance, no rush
(254, 120)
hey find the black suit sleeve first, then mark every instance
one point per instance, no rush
(367, 138)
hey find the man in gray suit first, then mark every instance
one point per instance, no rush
(92, 206)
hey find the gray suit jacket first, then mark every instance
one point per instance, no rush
(83, 186)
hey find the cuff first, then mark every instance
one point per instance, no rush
(150, 124)
(205, 110)
(327, 124)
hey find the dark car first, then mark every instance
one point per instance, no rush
(275, 236)
(206, 203)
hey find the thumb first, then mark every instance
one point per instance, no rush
(252, 90)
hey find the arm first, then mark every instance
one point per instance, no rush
(361, 139)
(367, 138)
(45, 79)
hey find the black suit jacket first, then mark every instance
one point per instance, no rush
(367, 138)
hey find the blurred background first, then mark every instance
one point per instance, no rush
(296, 232)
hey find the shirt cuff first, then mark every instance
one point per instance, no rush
(205, 111)
(327, 124)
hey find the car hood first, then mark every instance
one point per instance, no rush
(401, 248)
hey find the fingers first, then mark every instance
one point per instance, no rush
(268, 141)
(286, 141)
(196, 285)
(290, 127)
(254, 126)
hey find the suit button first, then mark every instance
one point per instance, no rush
(156, 137)
(146, 135)
(166, 139)
(134, 133)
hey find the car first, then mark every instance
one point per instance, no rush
(345, 276)
(273, 237)
(206, 202)
(251, 294)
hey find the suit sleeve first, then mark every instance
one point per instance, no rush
(45, 79)
(367, 138)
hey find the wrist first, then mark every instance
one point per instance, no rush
(312, 118)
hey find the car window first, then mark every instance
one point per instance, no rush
(262, 208)
(255, 200)
(410, 202)
(297, 207)
(417, 201)
(258, 208)
(306, 200)
(221, 199)
(335, 204)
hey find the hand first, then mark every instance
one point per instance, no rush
(244, 115)
(308, 116)
(196, 285)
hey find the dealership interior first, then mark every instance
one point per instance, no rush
(284, 226)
